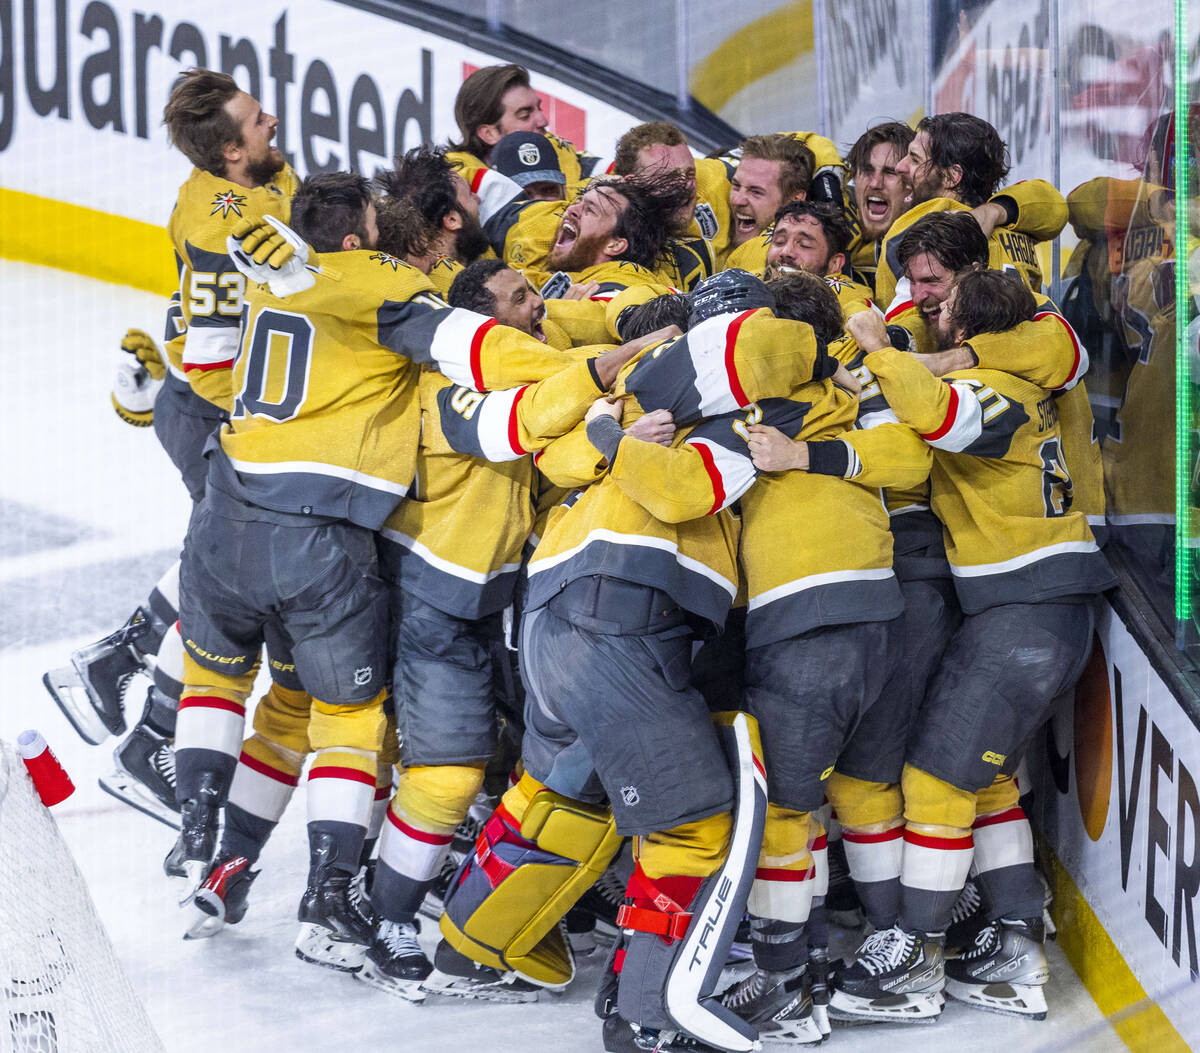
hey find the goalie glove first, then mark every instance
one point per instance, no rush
(271, 253)
(133, 393)
(142, 346)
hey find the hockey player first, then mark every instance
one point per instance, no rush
(773, 170)
(496, 100)
(426, 181)
(285, 479)
(957, 161)
(227, 135)
(879, 193)
(1025, 567)
(493, 288)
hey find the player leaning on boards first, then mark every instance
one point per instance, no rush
(227, 136)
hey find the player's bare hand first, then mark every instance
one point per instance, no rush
(581, 291)
(869, 330)
(847, 381)
(989, 216)
(656, 426)
(141, 345)
(607, 406)
(772, 451)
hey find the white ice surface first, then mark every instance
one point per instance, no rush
(119, 511)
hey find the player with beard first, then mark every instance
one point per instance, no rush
(957, 161)
(1025, 568)
(427, 181)
(773, 170)
(228, 137)
(879, 193)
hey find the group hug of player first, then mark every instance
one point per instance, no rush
(761, 549)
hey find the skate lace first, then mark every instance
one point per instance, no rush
(400, 939)
(968, 902)
(163, 762)
(884, 950)
(985, 941)
(745, 992)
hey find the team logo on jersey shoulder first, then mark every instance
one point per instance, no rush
(385, 260)
(227, 202)
(529, 154)
(836, 282)
(706, 220)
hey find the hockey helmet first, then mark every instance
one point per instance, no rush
(728, 292)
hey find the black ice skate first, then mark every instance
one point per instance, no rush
(458, 976)
(221, 900)
(896, 976)
(620, 1036)
(778, 1004)
(333, 932)
(192, 853)
(966, 921)
(145, 775)
(91, 691)
(818, 979)
(395, 962)
(1004, 971)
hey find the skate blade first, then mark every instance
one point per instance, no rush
(792, 1032)
(407, 990)
(895, 1009)
(208, 916)
(820, 1017)
(124, 787)
(439, 983)
(186, 887)
(1023, 1000)
(319, 946)
(71, 697)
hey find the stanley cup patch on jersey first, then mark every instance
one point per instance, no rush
(706, 220)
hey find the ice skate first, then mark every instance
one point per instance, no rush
(818, 976)
(92, 700)
(1004, 971)
(620, 1036)
(395, 962)
(967, 919)
(145, 775)
(221, 899)
(778, 1004)
(333, 932)
(433, 906)
(192, 853)
(842, 905)
(896, 976)
(458, 976)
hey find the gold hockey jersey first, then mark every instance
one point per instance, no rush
(211, 288)
(1000, 484)
(326, 417)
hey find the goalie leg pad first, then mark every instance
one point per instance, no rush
(677, 951)
(508, 896)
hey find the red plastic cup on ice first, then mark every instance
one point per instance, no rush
(53, 784)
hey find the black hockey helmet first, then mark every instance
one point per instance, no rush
(728, 292)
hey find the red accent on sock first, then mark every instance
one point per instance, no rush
(211, 702)
(821, 843)
(944, 844)
(336, 771)
(263, 768)
(894, 834)
(783, 874)
(1012, 815)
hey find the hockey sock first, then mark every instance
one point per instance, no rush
(873, 840)
(430, 802)
(785, 879)
(266, 777)
(208, 731)
(1004, 865)
(937, 850)
(168, 683)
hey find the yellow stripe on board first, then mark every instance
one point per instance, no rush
(753, 52)
(1142, 1025)
(81, 240)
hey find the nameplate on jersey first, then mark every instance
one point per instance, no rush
(556, 286)
(706, 220)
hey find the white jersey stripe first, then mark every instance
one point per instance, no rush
(981, 570)
(813, 581)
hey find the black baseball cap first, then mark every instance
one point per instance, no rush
(527, 157)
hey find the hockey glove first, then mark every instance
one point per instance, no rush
(142, 346)
(271, 253)
(133, 394)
